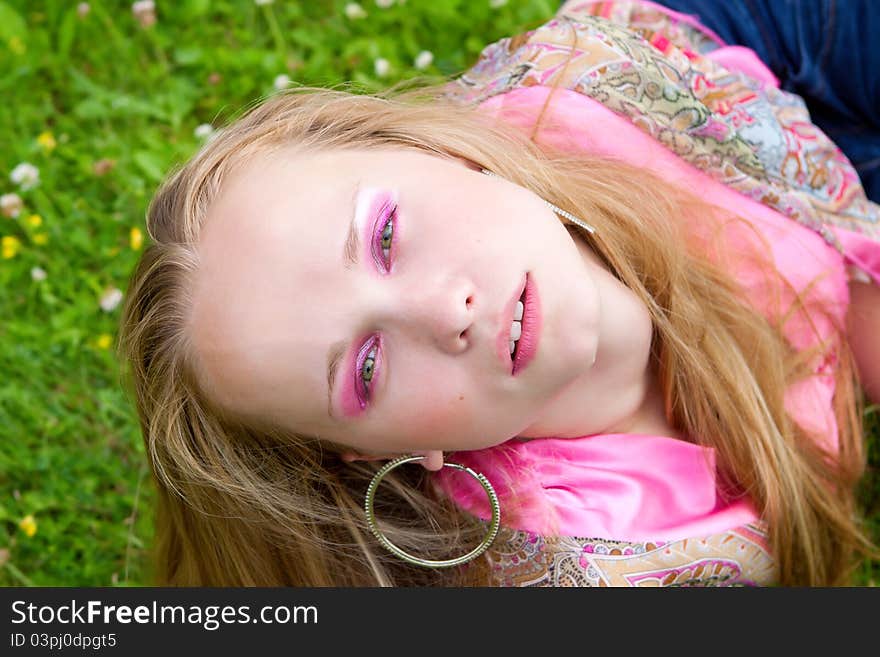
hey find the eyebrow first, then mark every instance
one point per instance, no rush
(350, 252)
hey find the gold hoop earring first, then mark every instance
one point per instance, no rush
(430, 563)
(564, 213)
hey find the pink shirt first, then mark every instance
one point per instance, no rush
(641, 487)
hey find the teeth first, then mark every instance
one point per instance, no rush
(516, 325)
(515, 330)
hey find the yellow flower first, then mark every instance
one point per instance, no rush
(10, 246)
(28, 525)
(104, 341)
(34, 220)
(40, 238)
(47, 141)
(16, 45)
(136, 238)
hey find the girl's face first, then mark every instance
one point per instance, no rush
(367, 297)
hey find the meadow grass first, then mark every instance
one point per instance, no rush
(102, 104)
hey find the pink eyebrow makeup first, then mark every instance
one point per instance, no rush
(371, 214)
(353, 400)
(372, 204)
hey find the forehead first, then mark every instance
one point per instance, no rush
(241, 289)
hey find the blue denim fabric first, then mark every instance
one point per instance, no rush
(824, 51)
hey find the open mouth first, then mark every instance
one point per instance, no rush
(525, 329)
(516, 325)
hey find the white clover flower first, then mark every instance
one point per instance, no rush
(38, 273)
(111, 299)
(144, 12)
(261, 3)
(281, 81)
(494, 4)
(83, 9)
(25, 175)
(384, 4)
(382, 67)
(423, 59)
(203, 131)
(11, 205)
(354, 11)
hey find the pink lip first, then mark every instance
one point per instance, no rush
(502, 341)
(527, 345)
(531, 328)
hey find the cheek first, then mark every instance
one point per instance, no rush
(444, 411)
(440, 411)
(458, 419)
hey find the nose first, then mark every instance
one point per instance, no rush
(436, 310)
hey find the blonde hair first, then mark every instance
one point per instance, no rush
(243, 502)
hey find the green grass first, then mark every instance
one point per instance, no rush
(110, 93)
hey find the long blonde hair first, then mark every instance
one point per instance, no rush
(244, 502)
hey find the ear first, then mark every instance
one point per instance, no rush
(433, 458)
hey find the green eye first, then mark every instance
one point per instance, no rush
(386, 239)
(369, 366)
(367, 371)
(386, 235)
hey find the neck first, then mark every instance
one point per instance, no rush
(650, 417)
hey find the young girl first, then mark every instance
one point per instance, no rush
(631, 287)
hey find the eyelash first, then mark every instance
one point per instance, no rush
(368, 354)
(388, 219)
